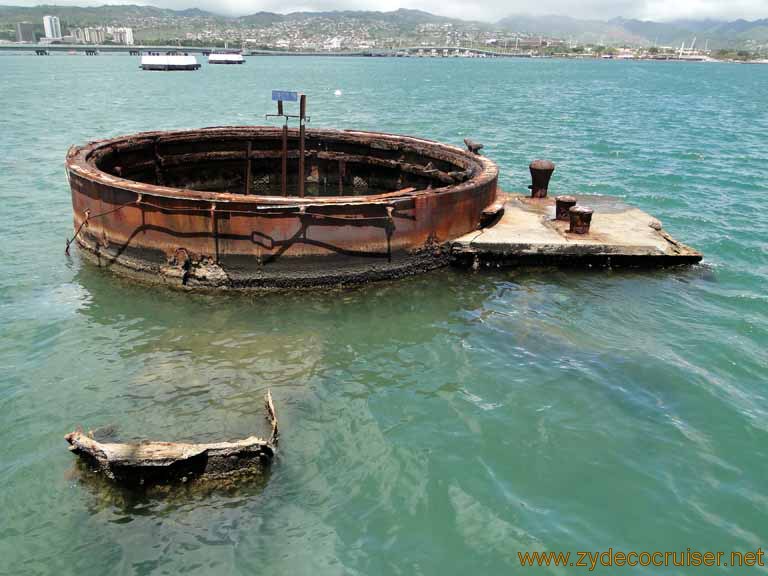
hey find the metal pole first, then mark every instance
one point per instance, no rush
(284, 155)
(284, 173)
(302, 134)
(248, 177)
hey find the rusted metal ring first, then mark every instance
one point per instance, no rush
(192, 189)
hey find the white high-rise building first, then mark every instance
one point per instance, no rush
(52, 27)
(121, 35)
(94, 35)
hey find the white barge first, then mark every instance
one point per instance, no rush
(157, 61)
(225, 58)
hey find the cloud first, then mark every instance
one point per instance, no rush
(703, 9)
(488, 10)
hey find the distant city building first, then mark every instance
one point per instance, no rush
(93, 35)
(101, 34)
(52, 27)
(25, 32)
(121, 35)
(333, 44)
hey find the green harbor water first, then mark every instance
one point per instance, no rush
(438, 425)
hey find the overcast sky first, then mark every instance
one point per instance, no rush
(489, 10)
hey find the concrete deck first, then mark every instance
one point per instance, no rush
(528, 233)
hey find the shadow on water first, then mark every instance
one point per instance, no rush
(111, 298)
(212, 347)
(308, 328)
(111, 295)
(102, 493)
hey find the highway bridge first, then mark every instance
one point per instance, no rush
(405, 51)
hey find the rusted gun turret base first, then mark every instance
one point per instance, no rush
(213, 209)
(166, 462)
(308, 273)
(528, 234)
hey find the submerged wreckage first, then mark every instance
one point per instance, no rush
(149, 463)
(224, 207)
(259, 206)
(266, 207)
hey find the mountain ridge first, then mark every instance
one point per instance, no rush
(719, 33)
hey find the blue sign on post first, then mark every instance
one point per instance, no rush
(284, 95)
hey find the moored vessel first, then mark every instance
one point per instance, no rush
(168, 61)
(226, 58)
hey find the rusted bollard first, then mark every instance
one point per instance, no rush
(581, 218)
(541, 172)
(562, 205)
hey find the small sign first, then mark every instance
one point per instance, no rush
(284, 95)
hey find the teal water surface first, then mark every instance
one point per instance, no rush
(438, 425)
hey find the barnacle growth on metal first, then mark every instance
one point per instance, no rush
(207, 208)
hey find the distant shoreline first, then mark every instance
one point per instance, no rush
(401, 53)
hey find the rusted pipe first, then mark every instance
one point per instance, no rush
(562, 205)
(581, 218)
(541, 172)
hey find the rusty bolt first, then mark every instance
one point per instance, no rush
(581, 218)
(541, 172)
(562, 205)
